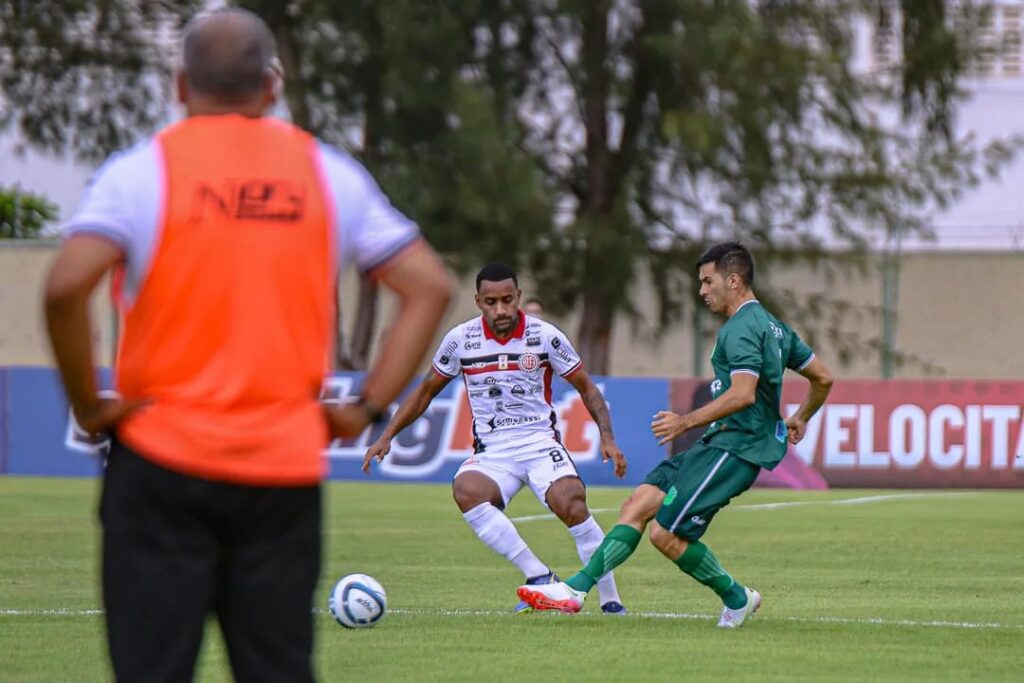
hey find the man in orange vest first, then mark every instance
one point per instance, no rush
(228, 230)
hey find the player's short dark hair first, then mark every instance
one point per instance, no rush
(227, 53)
(496, 272)
(730, 257)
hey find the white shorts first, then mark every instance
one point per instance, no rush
(539, 466)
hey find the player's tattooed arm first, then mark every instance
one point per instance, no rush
(594, 401)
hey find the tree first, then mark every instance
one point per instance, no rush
(597, 142)
(86, 78)
(24, 214)
(594, 142)
(391, 80)
(669, 122)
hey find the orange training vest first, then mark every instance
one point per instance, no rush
(230, 331)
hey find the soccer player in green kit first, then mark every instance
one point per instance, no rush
(745, 432)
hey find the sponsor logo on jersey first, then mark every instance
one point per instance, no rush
(533, 341)
(253, 199)
(518, 390)
(494, 392)
(514, 421)
(698, 520)
(469, 345)
(529, 362)
(502, 362)
(555, 343)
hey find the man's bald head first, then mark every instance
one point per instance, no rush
(227, 54)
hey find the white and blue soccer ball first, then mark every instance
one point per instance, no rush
(357, 601)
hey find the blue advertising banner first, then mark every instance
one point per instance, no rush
(433, 447)
(37, 426)
(3, 420)
(37, 437)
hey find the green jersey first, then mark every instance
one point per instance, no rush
(755, 342)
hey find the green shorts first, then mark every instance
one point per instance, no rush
(698, 483)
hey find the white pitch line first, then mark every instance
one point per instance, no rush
(535, 518)
(50, 612)
(797, 503)
(865, 621)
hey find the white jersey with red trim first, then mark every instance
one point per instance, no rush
(508, 381)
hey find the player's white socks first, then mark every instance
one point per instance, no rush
(588, 535)
(499, 534)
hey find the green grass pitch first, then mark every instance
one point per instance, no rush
(897, 586)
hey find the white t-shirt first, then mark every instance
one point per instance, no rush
(124, 198)
(508, 382)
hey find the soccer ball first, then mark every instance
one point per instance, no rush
(357, 601)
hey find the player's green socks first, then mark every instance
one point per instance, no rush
(699, 562)
(616, 547)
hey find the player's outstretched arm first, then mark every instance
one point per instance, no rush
(593, 399)
(820, 385)
(741, 394)
(414, 405)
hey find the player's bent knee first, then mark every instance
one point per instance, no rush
(641, 506)
(669, 544)
(567, 498)
(468, 499)
(470, 491)
(628, 514)
(573, 513)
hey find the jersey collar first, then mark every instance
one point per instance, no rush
(516, 333)
(742, 305)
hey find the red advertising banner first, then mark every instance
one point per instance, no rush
(906, 433)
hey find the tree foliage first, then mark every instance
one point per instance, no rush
(593, 143)
(86, 77)
(597, 142)
(24, 214)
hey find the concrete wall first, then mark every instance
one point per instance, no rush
(960, 315)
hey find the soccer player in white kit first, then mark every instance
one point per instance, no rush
(507, 359)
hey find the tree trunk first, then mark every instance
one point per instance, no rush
(594, 339)
(342, 360)
(366, 313)
(366, 323)
(595, 331)
(294, 91)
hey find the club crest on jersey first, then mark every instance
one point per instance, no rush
(529, 362)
